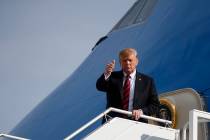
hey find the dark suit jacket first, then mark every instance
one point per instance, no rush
(145, 96)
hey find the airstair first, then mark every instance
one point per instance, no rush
(124, 129)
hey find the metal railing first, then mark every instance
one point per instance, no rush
(112, 110)
(186, 126)
(12, 137)
(194, 116)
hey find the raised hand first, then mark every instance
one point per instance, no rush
(109, 68)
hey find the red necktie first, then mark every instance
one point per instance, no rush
(126, 93)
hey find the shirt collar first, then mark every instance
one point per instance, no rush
(132, 75)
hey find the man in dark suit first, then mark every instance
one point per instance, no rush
(128, 89)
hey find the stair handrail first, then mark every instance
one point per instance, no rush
(12, 137)
(111, 109)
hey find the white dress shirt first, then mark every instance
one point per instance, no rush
(132, 87)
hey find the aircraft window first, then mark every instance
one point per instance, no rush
(138, 13)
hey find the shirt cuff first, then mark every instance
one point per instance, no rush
(106, 76)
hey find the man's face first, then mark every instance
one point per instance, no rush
(128, 63)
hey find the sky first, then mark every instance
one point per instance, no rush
(42, 42)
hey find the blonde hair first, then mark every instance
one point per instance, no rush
(126, 52)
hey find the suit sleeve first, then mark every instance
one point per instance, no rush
(102, 84)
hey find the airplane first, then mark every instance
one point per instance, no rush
(172, 40)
